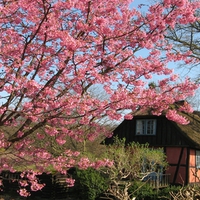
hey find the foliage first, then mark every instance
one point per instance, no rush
(130, 162)
(165, 193)
(144, 191)
(53, 53)
(188, 192)
(89, 184)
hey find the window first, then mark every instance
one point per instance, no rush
(198, 159)
(146, 127)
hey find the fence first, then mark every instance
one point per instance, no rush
(157, 180)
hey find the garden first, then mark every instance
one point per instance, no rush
(70, 71)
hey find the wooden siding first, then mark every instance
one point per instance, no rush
(178, 166)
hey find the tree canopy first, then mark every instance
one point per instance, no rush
(53, 52)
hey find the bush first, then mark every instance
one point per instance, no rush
(90, 183)
(165, 192)
(144, 191)
(191, 191)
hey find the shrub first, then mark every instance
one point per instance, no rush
(144, 191)
(90, 183)
(191, 191)
(130, 162)
(165, 192)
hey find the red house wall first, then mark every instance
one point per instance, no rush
(193, 174)
(177, 164)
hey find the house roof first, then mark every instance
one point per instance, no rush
(191, 131)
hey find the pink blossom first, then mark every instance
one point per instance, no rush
(174, 116)
(70, 182)
(31, 175)
(98, 164)
(35, 186)
(20, 134)
(23, 192)
(2, 110)
(128, 116)
(103, 163)
(108, 163)
(76, 153)
(23, 183)
(180, 3)
(84, 163)
(60, 140)
(43, 154)
(109, 134)
(186, 108)
(92, 136)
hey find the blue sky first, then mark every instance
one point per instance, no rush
(182, 71)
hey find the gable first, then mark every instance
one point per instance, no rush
(167, 132)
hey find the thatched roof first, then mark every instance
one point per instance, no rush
(190, 131)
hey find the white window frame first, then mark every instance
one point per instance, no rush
(146, 127)
(198, 159)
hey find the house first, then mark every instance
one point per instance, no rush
(181, 143)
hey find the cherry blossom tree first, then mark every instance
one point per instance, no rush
(53, 52)
(185, 38)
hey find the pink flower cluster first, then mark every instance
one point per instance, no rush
(84, 163)
(23, 192)
(29, 179)
(70, 182)
(174, 116)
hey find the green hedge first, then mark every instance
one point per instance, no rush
(144, 191)
(89, 184)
